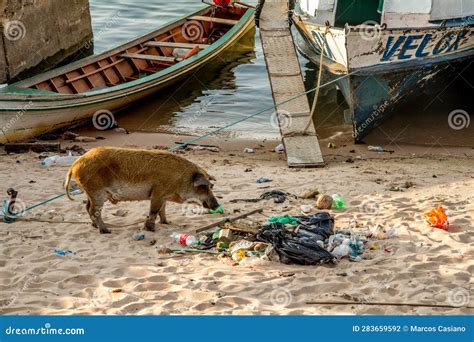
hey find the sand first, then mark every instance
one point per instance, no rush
(113, 274)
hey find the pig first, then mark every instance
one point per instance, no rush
(121, 174)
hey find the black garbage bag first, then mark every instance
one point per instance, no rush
(277, 195)
(319, 225)
(294, 248)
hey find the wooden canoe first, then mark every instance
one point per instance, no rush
(110, 81)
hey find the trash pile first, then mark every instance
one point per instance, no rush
(304, 240)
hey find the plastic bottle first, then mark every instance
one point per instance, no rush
(199, 211)
(184, 239)
(378, 149)
(49, 161)
(65, 161)
(338, 202)
(58, 160)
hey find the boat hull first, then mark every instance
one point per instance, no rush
(26, 113)
(384, 67)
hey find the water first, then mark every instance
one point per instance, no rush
(236, 85)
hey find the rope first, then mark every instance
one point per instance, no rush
(316, 95)
(77, 222)
(184, 144)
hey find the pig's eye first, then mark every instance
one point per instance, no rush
(211, 186)
(202, 188)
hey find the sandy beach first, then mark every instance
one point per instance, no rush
(114, 274)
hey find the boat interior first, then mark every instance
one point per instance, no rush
(147, 56)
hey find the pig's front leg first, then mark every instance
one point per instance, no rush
(162, 213)
(155, 207)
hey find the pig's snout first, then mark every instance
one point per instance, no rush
(210, 203)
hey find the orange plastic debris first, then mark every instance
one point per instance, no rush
(437, 218)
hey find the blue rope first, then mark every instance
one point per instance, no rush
(184, 144)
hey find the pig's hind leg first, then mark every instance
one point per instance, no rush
(94, 207)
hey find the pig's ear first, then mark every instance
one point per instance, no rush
(200, 180)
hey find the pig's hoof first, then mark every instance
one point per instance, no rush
(165, 222)
(149, 227)
(105, 231)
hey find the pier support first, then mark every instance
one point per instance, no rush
(301, 146)
(37, 35)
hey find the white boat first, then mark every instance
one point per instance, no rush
(387, 48)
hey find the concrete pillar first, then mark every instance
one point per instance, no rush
(39, 34)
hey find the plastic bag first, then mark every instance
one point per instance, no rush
(437, 218)
(287, 219)
(319, 225)
(294, 248)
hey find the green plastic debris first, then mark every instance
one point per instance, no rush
(215, 235)
(219, 210)
(338, 202)
(287, 219)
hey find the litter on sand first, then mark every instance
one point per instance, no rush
(263, 180)
(277, 195)
(309, 239)
(63, 252)
(138, 236)
(286, 219)
(437, 218)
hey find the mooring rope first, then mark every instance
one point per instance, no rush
(4, 214)
(184, 144)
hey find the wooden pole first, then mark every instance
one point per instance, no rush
(228, 219)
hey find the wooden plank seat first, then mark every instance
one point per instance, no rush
(175, 45)
(214, 20)
(148, 57)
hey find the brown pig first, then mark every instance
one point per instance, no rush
(120, 174)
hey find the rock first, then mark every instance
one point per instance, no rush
(280, 148)
(310, 194)
(48, 136)
(165, 250)
(306, 209)
(324, 202)
(84, 139)
(69, 135)
(78, 149)
(249, 150)
(120, 213)
(121, 130)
